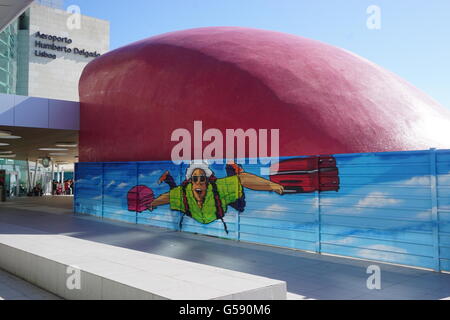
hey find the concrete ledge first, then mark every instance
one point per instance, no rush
(110, 273)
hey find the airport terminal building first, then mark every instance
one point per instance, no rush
(43, 51)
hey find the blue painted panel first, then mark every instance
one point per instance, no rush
(445, 252)
(381, 201)
(399, 235)
(278, 233)
(280, 242)
(444, 223)
(443, 180)
(308, 225)
(88, 189)
(443, 192)
(89, 207)
(148, 175)
(387, 245)
(444, 239)
(378, 213)
(390, 181)
(381, 253)
(214, 229)
(445, 264)
(381, 169)
(443, 168)
(402, 191)
(171, 220)
(380, 224)
(402, 158)
(119, 216)
(382, 210)
(444, 203)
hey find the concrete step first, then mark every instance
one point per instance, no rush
(73, 268)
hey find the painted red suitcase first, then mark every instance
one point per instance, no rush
(306, 164)
(140, 198)
(303, 175)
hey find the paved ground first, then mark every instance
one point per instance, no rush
(13, 288)
(308, 275)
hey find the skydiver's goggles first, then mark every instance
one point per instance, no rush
(199, 179)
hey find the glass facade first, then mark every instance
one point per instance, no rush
(16, 177)
(18, 182)
(8, 59)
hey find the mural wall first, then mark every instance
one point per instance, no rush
(392, 207)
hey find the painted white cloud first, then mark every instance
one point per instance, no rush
(122, 185)
(378, 199)
(156, 173)
(276, 207)
(119, 186)
(111, 183)
(444, 179)
(344, 241)
(121, 212)
(424, 215)
(417, 181)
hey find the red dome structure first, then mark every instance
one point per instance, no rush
(324, 100)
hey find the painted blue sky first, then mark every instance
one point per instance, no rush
(413, 40)
(382, 210)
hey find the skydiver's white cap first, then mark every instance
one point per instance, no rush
(198, 164)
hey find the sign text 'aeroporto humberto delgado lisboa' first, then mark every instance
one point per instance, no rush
(60, 48)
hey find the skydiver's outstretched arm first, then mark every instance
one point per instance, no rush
(253, 182)
(160, 201)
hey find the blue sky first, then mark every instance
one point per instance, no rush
(413, 41)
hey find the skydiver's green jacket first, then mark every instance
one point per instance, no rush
(229, 190)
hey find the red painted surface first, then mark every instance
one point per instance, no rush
(324, 100)
(139, 198)
(310, 174)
